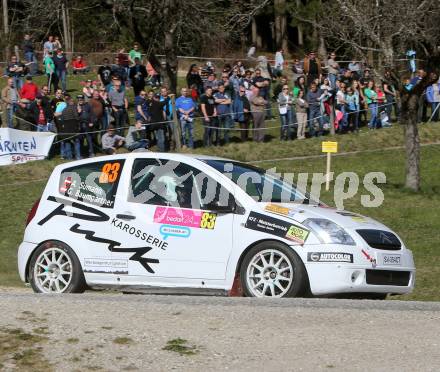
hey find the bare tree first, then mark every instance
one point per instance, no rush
(176, 26)
(382, 31)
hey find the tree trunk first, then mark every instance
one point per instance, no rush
(171, 62)
(300, 29)
(280, 24)
(67, 30)
(254, 31)
(410, 105)
(6, 29)
(322, 50)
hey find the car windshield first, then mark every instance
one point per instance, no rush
(259, 184)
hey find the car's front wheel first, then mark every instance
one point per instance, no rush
(272, 269)
(55, 268)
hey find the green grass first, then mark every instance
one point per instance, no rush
(414, 216)
(180, 346)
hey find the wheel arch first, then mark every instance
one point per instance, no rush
(38, 246)
(249, 247)
(307, 293)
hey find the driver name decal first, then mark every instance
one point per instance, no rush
(260, 222)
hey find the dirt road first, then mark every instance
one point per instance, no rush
(112, 332)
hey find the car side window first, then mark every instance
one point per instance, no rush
(173, 183)
(93, 183)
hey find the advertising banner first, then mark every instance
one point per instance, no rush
(19, 146)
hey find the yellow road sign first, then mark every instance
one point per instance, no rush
(329, 146)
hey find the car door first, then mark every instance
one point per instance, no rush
(165, 218)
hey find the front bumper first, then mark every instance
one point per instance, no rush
(24, 253)
(327, 278)
(333, 279)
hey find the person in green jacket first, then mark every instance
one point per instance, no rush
(49, 69)
(371, 98)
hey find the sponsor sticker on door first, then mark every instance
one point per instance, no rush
(185, 217)
(260, 222)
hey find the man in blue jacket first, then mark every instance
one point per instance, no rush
(185, 107)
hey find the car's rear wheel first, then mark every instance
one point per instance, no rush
(55, 268)
(272, 269)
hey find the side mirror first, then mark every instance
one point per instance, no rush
(222, 209)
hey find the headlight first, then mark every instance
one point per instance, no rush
(328, 232)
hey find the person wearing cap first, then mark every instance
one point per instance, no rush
(42, 114)
(137, 137)
(61, 65)
(312, 68)
(24, 118)
(29, 90)
(111, 141)
(79, 66)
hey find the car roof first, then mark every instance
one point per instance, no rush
(143, 154)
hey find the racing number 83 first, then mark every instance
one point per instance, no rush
(208, 220)
(109, 172)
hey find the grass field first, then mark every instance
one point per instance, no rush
(414, 216)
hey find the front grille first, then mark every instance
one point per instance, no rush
(380, 239)
(388, 277)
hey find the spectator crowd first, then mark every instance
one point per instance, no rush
(309, 97)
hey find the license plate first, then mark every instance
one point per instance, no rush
(392, 259)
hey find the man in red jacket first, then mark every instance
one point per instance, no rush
(29, 90)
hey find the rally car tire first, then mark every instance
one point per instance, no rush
(272, 269)
(55, 268)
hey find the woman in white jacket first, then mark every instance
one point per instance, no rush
(285, 102)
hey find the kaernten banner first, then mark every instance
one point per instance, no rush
(19, 146)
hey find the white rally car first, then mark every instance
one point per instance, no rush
(185, 224)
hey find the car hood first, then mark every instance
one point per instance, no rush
(301, 212)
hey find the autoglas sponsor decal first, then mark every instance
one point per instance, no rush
(329, 257)
(185, 217)
(260, 222)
